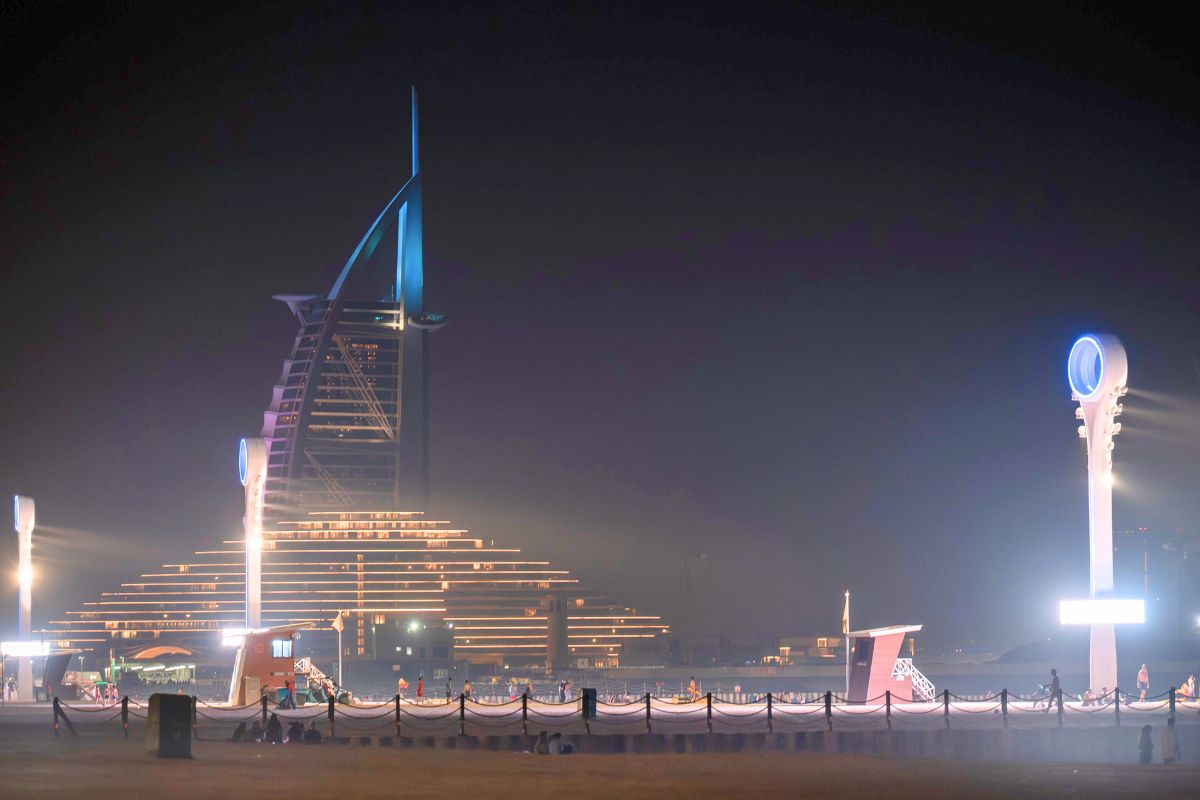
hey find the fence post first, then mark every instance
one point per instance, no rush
(946, 705)
(58, 712)
(195, 704)
(524, 713)
(1004, 706)
(770, 721)
(462, 714)
(397, 716)
(887, 698)
(708, 701)
(1172, 701)
(1060, 708)
(332, 714)
(1117, 704)
(648, 713)
(264, 711)
(125, 715)
(829, 709)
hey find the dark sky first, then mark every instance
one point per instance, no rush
(791, 288)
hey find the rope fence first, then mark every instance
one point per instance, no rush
(708, 713)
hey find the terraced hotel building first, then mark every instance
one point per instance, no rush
(344, 524)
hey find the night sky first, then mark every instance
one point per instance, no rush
(790, 288)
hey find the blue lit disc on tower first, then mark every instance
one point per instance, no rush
(1085, 366)
(243, 462)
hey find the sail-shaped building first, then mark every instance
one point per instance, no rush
(344, 530)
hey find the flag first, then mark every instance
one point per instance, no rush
(337, 623)
(846, 615)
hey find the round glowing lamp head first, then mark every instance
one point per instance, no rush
(23, 512)
(243, 462)
(1096, 365)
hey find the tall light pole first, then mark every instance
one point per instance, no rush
(252, 471)
(1097, 371)
(23, 521)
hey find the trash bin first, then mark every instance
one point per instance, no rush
(169, 726)
(588, 696)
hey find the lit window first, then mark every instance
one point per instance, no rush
(281, 648)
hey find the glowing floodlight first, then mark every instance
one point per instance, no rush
(1105, 611)
(233, 637)
(1097, 371)
(18, 649)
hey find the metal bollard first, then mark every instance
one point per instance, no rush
(397, 716)
(708, 702)
(946, 705)
(332, 714)
(1172, 701)
(195, 702)
(1060, 708)
(1117, 704)
(829, 709)
(524, 713)
(1004, 706)
(887, 698)
(648, 713)
(770, 721)
(125, 715)
(264, 711)
(462, 715)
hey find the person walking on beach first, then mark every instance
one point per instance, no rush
(1143, 683)
(1055, 687)
(1145, 746)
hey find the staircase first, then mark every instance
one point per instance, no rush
(922, 686)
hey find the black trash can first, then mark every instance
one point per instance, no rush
(169, 726)
(588, 696)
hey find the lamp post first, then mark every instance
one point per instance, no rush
(23, 520)
(1097, 371)
(252, 471)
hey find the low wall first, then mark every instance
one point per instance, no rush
(1097, 745)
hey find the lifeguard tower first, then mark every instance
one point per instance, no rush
(875, 667)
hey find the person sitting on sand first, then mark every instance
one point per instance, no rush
(274, 732)
(313, 734)
(256, 731)
(558, 746)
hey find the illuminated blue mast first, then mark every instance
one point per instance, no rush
(348, 425)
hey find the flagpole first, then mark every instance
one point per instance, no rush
(847, 632)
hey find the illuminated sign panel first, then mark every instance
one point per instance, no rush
(25, 648)
(1098, 612)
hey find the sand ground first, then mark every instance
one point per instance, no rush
(35, 765)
